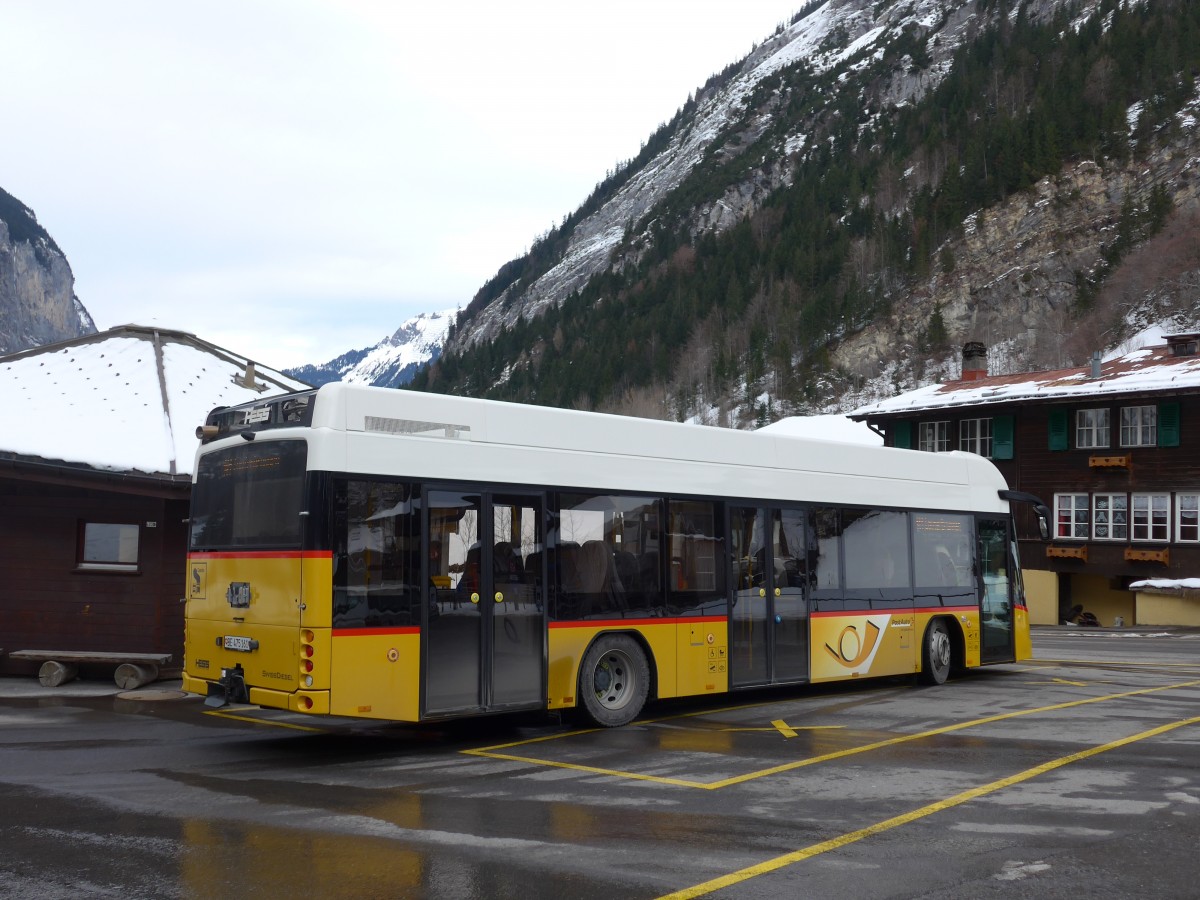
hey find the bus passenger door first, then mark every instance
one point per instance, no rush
(996, 632)
(768, 629)
(485, 632)
(749, 636)
(518, 625)
(789, 570)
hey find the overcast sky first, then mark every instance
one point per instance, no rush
(292, 179)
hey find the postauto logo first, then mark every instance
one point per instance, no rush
(854, 647)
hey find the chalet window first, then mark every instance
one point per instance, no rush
(108, 546)
(1091, 428)
(934, 437)
(975, 436)
(1071, 516)
(1110, 517)
(1187, 518)
(1151, 517)
(1139, 426)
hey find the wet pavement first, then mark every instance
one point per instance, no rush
(1075, 773)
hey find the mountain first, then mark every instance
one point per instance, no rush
(390, 363)
(873, 185)
(38, 305)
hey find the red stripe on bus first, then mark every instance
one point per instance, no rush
(898, 612)
(264, 554)
(368, 632)
(638, 623)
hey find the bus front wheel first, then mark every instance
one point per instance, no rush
(614, 680)
(937, 654)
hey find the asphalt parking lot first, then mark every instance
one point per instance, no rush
(1075, 773)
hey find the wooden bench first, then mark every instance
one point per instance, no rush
(61, 666)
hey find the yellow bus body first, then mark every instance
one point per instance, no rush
(376, 672)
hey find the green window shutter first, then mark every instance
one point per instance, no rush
(1168, 424)
(1058, 429)
(1002, 437)
(902, 434)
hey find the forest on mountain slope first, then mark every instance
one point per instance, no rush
(700, 316)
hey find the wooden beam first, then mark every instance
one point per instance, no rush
(1068, 552)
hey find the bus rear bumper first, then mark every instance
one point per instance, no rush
(225, 691)
(307, 702)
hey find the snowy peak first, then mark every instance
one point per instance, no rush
(390, 363)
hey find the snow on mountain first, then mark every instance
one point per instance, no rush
(390, 363)
(834, 40)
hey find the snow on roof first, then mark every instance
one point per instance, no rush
(829, 428)
(1144, 371)
(128, 399)
(1167, 584)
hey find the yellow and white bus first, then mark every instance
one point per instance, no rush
(393, 555)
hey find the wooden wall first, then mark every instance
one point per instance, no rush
(48, 603)
(1039, 470)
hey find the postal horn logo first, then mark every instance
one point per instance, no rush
(853, 649)
(198, 582)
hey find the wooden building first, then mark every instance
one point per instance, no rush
(1113, 448)
(95, 473)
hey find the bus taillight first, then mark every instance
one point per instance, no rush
(306, 653)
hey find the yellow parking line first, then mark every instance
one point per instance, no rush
(591, 770)
(784, 729)
(1115, 663)
(224, 715)
(796, 856)
(490, 752)
(933, 732)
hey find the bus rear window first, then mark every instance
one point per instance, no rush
(249, 497)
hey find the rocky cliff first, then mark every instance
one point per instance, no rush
(1012, 280)
(38, 305)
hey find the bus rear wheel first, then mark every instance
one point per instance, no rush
(614, 680)
(936, 654)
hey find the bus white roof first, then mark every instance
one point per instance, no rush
(438, 438)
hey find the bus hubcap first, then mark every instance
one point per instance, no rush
(611, 679)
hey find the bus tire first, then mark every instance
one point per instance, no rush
(936, 653)
(614, 680)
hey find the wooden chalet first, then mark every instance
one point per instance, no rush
(1113, 448)
(95, 474)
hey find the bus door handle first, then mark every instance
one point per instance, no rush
(499, 597)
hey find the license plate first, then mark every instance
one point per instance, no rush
(236, 642)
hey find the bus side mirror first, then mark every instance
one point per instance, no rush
(1043, 526)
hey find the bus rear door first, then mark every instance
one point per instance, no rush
(768, 630)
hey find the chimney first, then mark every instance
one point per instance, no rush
(1096, 360)
(247, 379)
(974, 361)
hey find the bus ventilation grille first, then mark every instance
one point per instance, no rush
(419, 429)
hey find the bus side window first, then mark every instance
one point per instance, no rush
(824, 555)
(604, 558)
(942, 559)
(875, 542)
